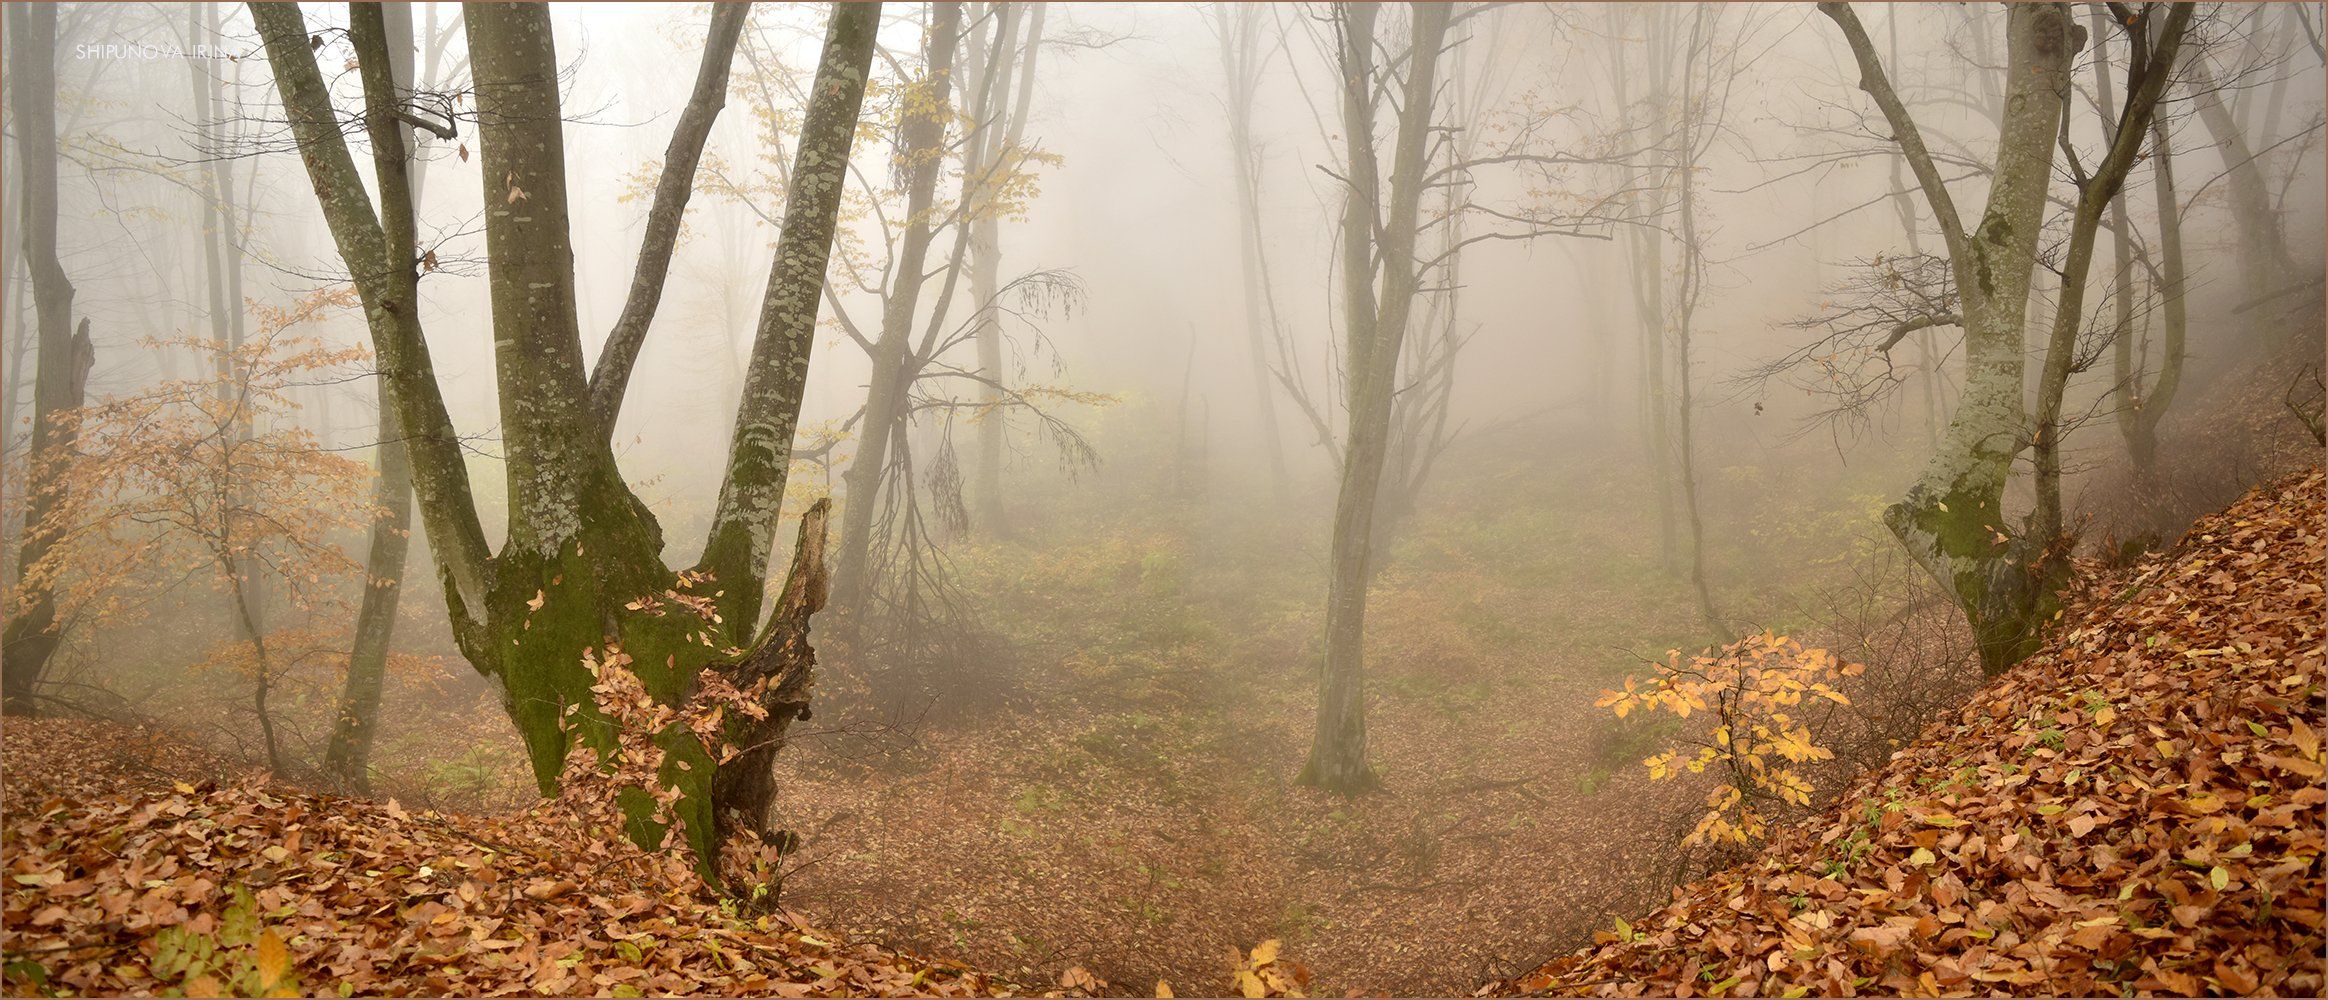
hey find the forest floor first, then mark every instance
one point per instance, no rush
(2137, 808)
(1103, 804)
(1126, 806)
(132, 869)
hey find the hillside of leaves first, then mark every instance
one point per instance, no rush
(2137, 808)
(125, 876)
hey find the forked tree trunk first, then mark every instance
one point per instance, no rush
(999, 132)
(2094, 196)
(31, 636)
(1951, 521)
(1375, 314)
(581, 573)
(2146, 405)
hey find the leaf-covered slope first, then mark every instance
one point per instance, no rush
(122, 877)
(2139, 806)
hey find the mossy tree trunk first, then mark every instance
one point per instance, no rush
(1951, 521)
(581, 571)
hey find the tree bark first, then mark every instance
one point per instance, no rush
(2094, 196)
(760, 449)
(621, 354)
(2147, 407)
(31, 636)
(993, 160)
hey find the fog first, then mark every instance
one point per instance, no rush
(1192, 595)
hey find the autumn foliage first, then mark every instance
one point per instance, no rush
(1750, 689)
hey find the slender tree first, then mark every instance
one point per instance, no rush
(1380, 275)
(993, 158)
(2148, 399)
(921, 153)
(2266, 264)
(2153, 65)
(355, 720)
(1244, 57)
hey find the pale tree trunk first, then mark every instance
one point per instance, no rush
(1646, 272)
(31, 637)
(1951, 521)
(996, 145)
(1375, 317)
(892, 376)
(760, 453)
(582, 553)
(2265, 264)
(12, 331)
(1239, 27)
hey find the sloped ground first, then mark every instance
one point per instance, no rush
(123, 877)
(2139, 807)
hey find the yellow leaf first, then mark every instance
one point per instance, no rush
(1249, 985)
(274, 960)
(1163, 989)
(1266, 952)
(1922, 857)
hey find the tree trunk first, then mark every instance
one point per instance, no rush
(999, 134)
(1375, 334)
(2148, 407)
(1951, 521)
(355, 722)
(922, 150)
(1685, 316)
(760, 450)
(2094, 196)
(1240, 34)
(31, 636)
(2265, 263)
